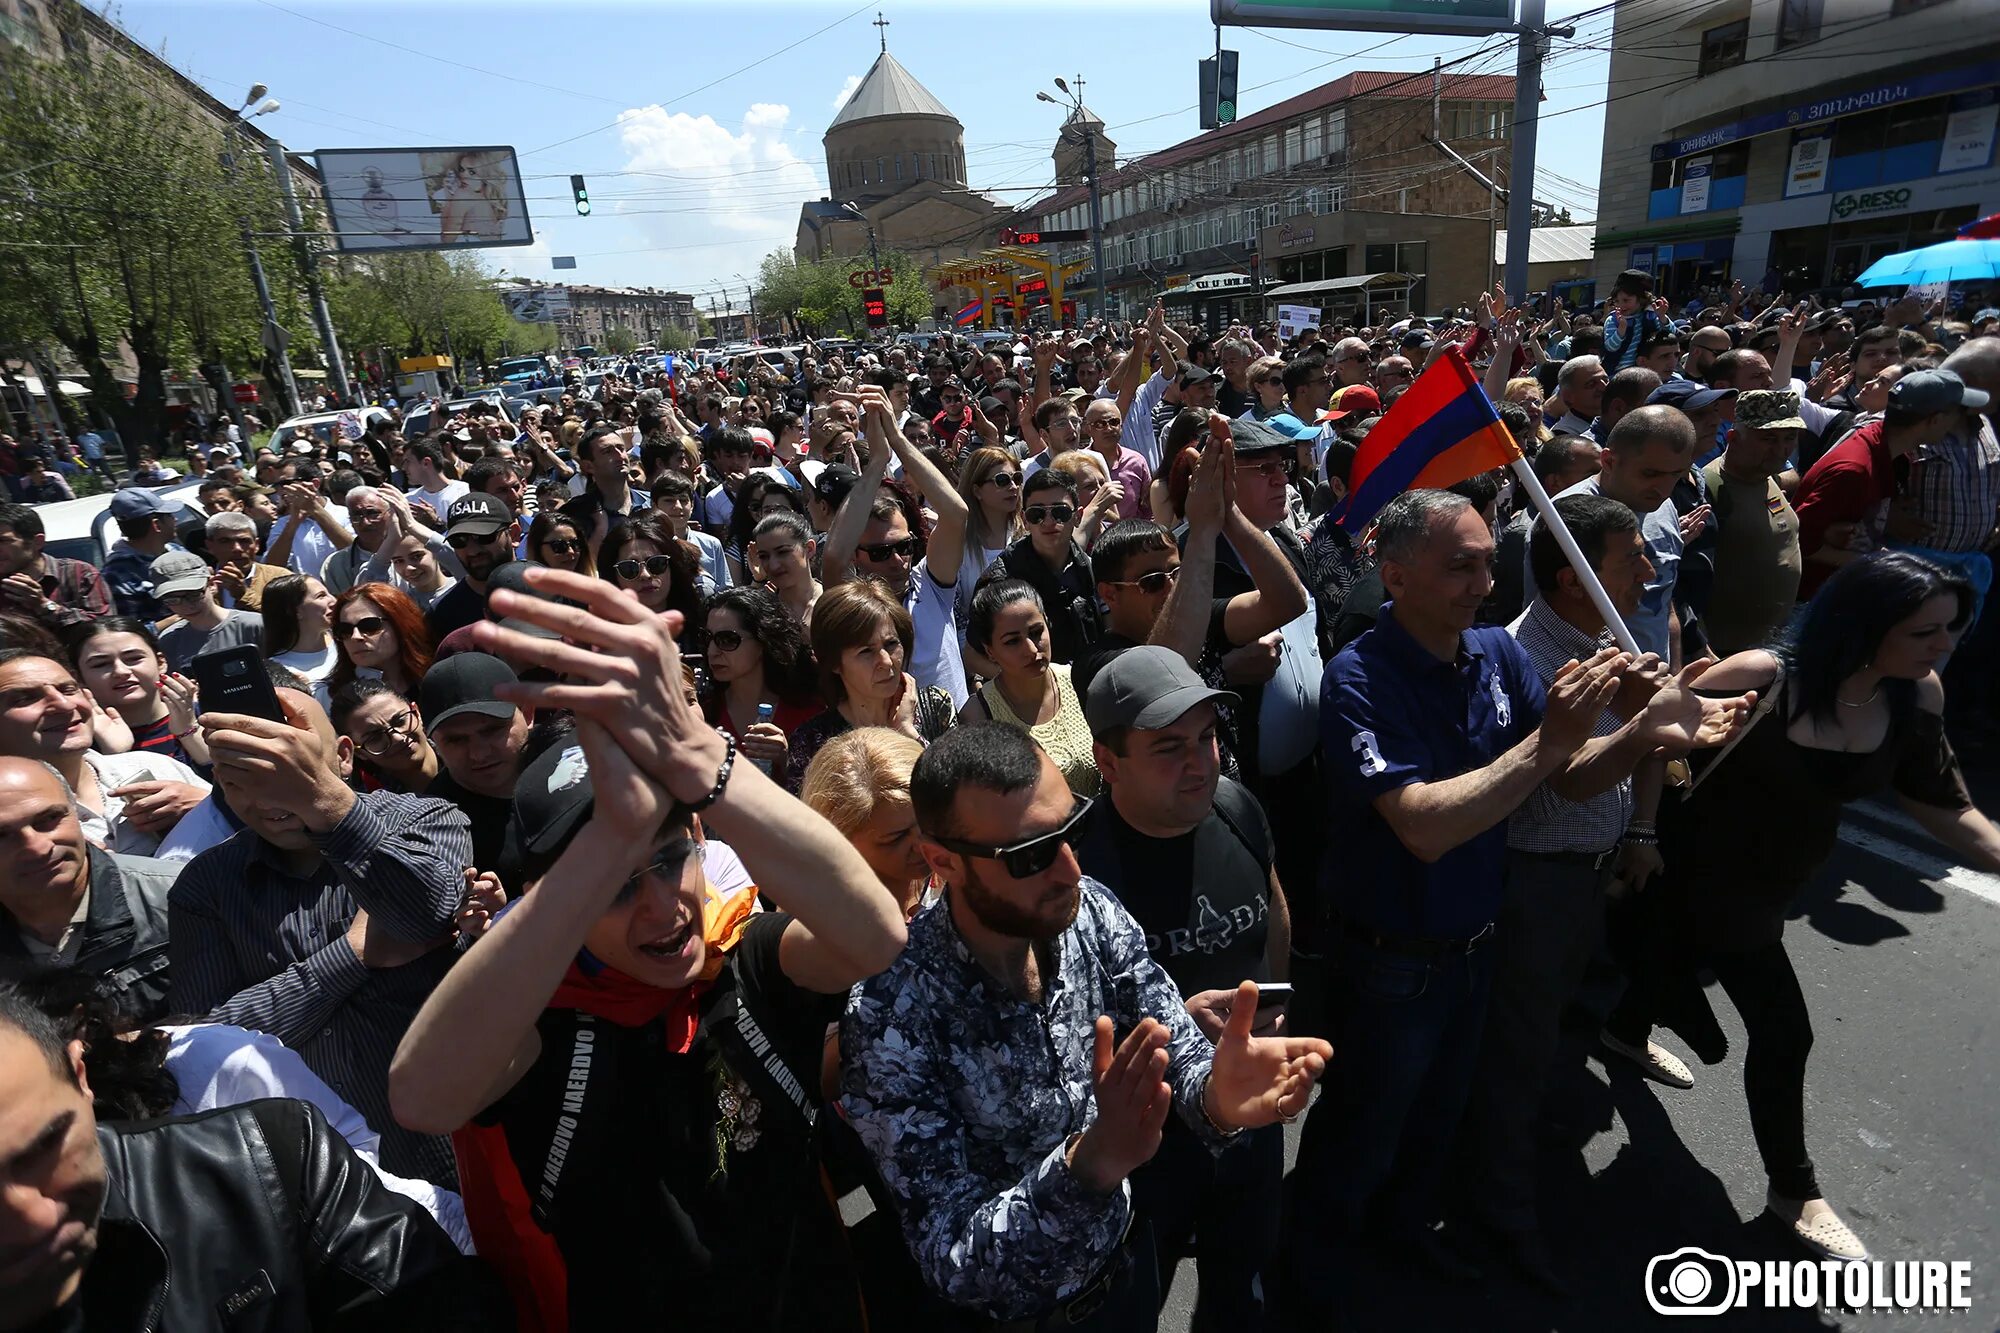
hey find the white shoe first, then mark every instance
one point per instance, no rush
(1818, 1227)
(1655, 1061)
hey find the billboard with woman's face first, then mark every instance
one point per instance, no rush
(424, 198)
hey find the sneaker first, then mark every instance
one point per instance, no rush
(1654, 1060)
(1817, 1227)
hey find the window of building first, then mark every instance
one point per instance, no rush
(1411, 256)
(1798, 21)
(1722, 46)
(1294, 150)
(1271, 161)
(1235, 167)
(1336, 196)
(1336, 130)
(880, 174)
(899, 166)
(1917, 122)
(1378, 259)
(1235, 227)
(1270, 215)
(1315, 146)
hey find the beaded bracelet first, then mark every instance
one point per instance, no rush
(1632, 839)
(721, 777)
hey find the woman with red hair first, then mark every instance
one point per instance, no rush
(380, 632)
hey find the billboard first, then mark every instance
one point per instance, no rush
(424, 198)
(538, 305)
(1458, 18)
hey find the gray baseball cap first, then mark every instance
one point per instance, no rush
(1147, 687)
(179, 571)
(1926, 391)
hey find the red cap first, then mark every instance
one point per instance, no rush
(1356, 400)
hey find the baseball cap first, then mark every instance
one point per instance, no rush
(477, 513)
(464, 683)
(552, 798)
(1417, 338)
(1191, 375)
(1356, 400)
(1768, 409)
(1147, 687)
(834, 481)
(1687, 395)
(513, 577)
(179, 571)
(1254, 437)
(1926, 391)
(138, 502)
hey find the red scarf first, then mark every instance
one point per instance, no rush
(617, 998)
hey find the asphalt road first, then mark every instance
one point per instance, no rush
(1897, 952)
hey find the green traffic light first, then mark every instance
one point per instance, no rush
(1225, 112)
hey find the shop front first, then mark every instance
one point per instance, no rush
(1214, 301)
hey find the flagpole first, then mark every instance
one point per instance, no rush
(1525, 474)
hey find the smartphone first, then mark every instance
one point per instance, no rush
(233, 680)
(1272, 995)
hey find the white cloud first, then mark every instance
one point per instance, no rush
(713, 183)
(846, 91)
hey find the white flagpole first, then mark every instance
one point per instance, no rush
(1525, 474)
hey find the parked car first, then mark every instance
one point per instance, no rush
(83, 529)
(322, 426)
(425, 418)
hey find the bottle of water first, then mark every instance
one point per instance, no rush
(764, 713)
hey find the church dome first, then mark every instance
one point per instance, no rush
(891, 133)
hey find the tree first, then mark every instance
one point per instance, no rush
(675, 339)
(822, 297)
(119, 222)
(618, 341)
(423, 302)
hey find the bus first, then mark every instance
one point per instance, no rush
(584, 353)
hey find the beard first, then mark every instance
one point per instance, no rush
(1039, 924)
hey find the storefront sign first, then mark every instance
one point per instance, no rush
(1850, 205)
(1642, 258)
(1829, 108)
(1292, 235)
(1968, 138)
(1808, 169)
(1694, 185)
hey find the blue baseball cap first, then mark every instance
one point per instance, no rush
(138, 502)
(1688, 395)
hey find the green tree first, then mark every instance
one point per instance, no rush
(424, 303)
(675, 339)
(618, 341)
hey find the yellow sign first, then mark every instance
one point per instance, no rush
(1178, 280)
(410, 365)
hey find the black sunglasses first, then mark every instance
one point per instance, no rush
(655, 565)
(1037, 513)
(370, 625)
(458, 541)
(728, 640)
(879, 551)
(1024, 860)
(1156, 581)
(561, 546)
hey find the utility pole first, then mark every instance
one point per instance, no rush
(274, 336)
(1534, 35)
(309, 262)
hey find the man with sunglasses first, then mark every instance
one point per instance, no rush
(483, 533)
(186, 586)
(1018, 1062)
(1351, 362)
(1050, 560)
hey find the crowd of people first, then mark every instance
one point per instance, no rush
(889, 839)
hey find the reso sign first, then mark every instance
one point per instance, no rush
(1870, 203)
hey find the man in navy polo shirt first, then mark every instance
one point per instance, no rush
(1432, 733)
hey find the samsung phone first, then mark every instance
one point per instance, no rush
(233, 680)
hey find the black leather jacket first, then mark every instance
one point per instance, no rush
(260, 1217)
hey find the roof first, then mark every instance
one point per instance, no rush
(1361, 83)
(1346, 284)
(814, 212)
(889, 90)
(1550, 245)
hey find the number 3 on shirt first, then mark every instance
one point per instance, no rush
(1371, 758)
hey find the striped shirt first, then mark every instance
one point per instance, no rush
(1547, 822)
(258, 945)
(1958, 489)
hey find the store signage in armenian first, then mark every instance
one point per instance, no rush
(1292, 235)
(1851, 204)
(1931, 83)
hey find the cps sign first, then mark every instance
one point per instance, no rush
(871, 277)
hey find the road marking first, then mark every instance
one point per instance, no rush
(1928, 865)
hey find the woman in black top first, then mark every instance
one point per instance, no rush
(1859, 711)
(862, 639)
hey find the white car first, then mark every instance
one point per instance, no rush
(82, 529)
(324, 427)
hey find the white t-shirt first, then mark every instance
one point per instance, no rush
(441, 498)
(314, 666)
(216, 1065)
(312, 546)
(107, 826)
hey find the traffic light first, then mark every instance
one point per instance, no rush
(875, 307)
(1225, 88)
(1207, 81)
(582, 193)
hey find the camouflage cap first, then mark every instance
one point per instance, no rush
(1768, 409)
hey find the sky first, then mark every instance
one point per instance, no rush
(698, 126)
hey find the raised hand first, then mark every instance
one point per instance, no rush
(1132, 1104)
(1678, 719)
(1258, 1081)
(1578, 695)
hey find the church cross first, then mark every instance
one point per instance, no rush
(882, 25)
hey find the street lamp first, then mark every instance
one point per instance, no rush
(1075, 103)
(855, 210)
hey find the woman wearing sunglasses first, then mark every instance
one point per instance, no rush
(861, 639)
(1267, 382)
(379, 633)
(756, 656)
(391, 751)
(1032, 691)
(556, 541)
(990, 482)
(298, 629)
(1049, 560)
(642, 557)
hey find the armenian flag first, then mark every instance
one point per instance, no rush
(1441, 431)
(969, 315)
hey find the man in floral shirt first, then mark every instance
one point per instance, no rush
(1019, 1060)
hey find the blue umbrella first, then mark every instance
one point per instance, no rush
(1972, 260)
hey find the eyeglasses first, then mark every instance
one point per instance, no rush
(368, 625)
(1006, 481)
(654, 565)
(1267, 468)
(879, 551)
(1357, 356)
(401, 727)
(1042, 513)
(561, 545)
(1157, 581)
(458, 541)
(1024, 860)
(667, 862)
(183, 598)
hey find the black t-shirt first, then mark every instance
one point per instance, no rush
(688, 1183)
(488, 815)
(1233, 402)
(1085, 668)
(462, 605)
(1203, 899)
